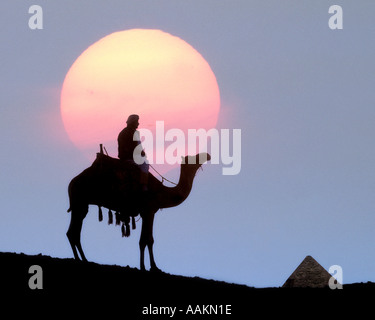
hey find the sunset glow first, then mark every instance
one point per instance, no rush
(148, 72)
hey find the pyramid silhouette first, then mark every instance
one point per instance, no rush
(309, 274)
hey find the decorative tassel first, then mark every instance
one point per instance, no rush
(133, 223)
(110, 217)
(100, 213)
(123, 230)
(118, 221)
(109, 214)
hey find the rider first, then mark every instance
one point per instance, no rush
(130, 148)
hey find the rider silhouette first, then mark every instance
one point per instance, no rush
(128, 141)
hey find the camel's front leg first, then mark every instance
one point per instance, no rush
(147, 239)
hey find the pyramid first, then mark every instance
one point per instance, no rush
(309, 274)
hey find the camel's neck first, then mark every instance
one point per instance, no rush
(171, 197)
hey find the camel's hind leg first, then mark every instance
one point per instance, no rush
(74, 232)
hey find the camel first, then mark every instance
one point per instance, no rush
(111, 184)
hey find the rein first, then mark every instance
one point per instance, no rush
(162, 178)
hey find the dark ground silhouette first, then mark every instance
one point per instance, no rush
(89, 288)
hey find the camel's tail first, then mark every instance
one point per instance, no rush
(69, 210)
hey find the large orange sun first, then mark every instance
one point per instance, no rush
(151, 73)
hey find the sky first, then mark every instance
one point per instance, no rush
(301, 93)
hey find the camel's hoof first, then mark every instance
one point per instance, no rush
(81, 261)
(77, 259)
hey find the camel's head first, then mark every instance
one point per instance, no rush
(195, 162)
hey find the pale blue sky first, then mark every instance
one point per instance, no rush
(301, 93)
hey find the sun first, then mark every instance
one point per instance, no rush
(149, 72)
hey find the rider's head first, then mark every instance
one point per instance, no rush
(133, 121)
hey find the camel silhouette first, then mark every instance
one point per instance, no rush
(110, 183)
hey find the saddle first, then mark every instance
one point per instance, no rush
(120, 190)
